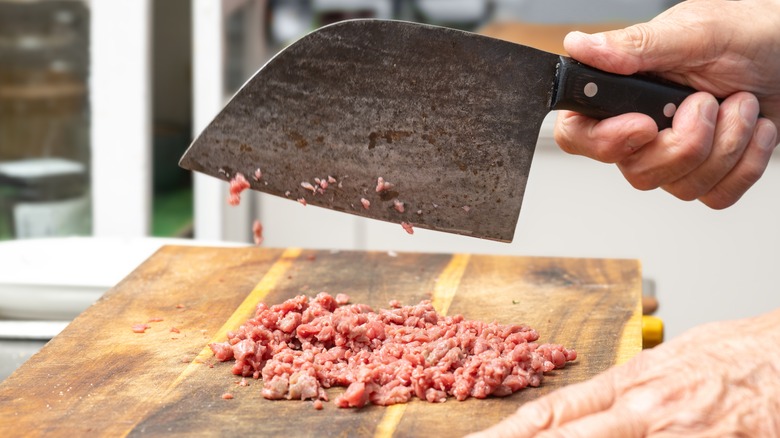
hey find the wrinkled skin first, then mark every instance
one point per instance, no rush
(717, 380)
(728, 50)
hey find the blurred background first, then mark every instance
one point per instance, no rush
(100, 98)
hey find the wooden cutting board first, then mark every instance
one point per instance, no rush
(99, 377)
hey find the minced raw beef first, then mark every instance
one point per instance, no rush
(302, 346)
(237, 185)
(382, 185)
(140, 328)
(257, 232)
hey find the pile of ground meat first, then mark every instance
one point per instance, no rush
(304, 345)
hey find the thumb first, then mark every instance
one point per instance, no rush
(656, 46)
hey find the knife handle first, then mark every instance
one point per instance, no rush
(600, 95)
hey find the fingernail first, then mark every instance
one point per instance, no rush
(634, 143)
(708, 111)
(596, 39)
(766, 136)
(748, 109)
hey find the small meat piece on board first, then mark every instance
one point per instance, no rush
(140, 328)
(356, 396)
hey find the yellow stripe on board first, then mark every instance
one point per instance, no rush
(448, 283)
(631, 339)
(390, 420)
(443, 293)
(246, 309)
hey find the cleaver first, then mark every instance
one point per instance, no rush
(420, 125)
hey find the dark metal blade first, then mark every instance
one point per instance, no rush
(450, 118)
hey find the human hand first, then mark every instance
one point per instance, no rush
(714, 153)
(719, 379)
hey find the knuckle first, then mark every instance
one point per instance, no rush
(689, 154)
(695, 152)
(733, 135)
(727, 194)
(641, 181)
(730, 143)
(563, 141)
(719, 200)
(687, 196)
(563, 136)
(730, 149)
(750, 175)
(588, 145)
(643, 185)
(642, 401)
(717, 203)
(686, 192)
(638, 36)
(605, 153)
(633, 41)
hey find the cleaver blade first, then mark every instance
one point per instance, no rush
(449, 118)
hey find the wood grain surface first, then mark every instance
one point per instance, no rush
(98, 377)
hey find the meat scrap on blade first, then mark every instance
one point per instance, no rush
(305, 345)
(237, 185)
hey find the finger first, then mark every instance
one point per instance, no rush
(677, 151)
(641, 47)
(559, 407)
(748, 170)
(609, 141)
(618, 422)
(734, 128)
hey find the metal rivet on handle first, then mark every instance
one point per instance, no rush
(591, 89)
(670, 109)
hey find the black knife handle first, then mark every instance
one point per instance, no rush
(600, 95)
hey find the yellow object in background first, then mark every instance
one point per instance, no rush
(652, 331)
